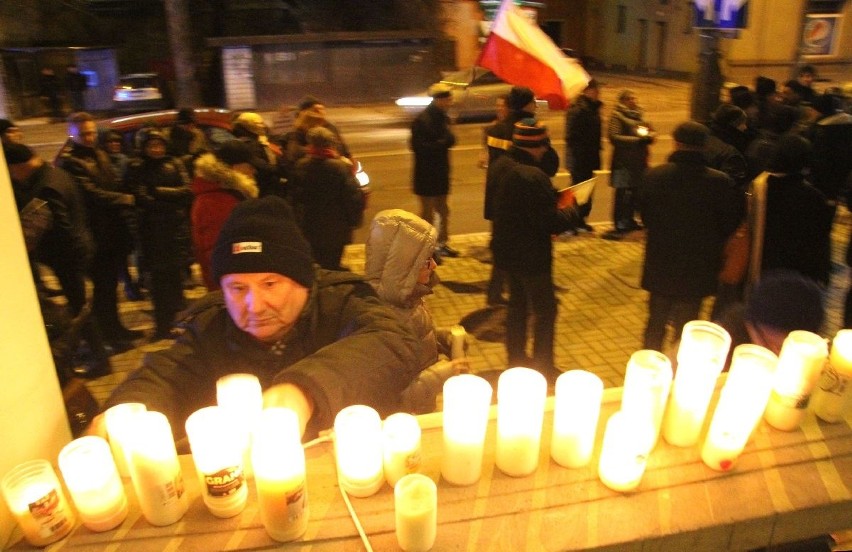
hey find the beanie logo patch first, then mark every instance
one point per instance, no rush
(246, 247)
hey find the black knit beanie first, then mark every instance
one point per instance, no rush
(787, 301)
(261, 235)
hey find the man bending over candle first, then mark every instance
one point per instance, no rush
(317, 340)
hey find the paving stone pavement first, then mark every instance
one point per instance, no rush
(601, 316)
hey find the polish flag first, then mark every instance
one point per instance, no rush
(519, 52)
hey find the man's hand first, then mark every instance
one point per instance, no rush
(98, 426)
(293, 397)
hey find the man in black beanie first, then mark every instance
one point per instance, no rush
(317, 340)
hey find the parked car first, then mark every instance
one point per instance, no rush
(475, 92)
(139, 92)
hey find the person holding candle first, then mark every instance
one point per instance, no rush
(317, 340)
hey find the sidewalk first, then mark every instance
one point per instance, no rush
(601, 316)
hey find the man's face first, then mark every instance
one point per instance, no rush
(443, 104)
(265, 305)
(85, 133)
(631, 101)
(806, 79)
(502, 109)
(155, 149)
(593, 93)
(426, 271)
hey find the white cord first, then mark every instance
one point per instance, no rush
(354, 517)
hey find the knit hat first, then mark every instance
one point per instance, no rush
(786, 300)
(252, 122)
(234, 152)
(261, 235)
(691, 134)
(741, 97)
(728, 115)
(6, 124)
(519, 96)
(791, 155)
(764, 86)
(440, 90)
(185, 116)
(529, 133)
(17, 153)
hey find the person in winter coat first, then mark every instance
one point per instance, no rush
(267, 156)
(689, 211)
(318, 341)
(431, 140)
(327, 199)
(221, 181)
(583, 141)
(526, 216)
(631, 137)
(401, 269)
(163, 197)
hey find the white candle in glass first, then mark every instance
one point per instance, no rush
(458, 334)
(35, 498)
(701, 356)
(647, 382)
(575, 417)
(92, 479)
(218, 445)
(800, 364)
(467, 400)
(279, 474)
(242, 396)
(833, 395)
(416, 512)
(116, 420)
(401, 451)
(624, 452)
(521, 393)
(741, 404)
(358, 449)
(155, 469)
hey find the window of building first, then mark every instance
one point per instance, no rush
(825, 6)
(622, 20)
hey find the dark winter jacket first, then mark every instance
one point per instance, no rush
(629, 149)
(431, 140)
(346, 348)
(689, 211)
(525, 214)
(583, 138)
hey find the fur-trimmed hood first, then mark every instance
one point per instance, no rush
(213, 175)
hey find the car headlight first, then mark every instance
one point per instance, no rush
(414, 101)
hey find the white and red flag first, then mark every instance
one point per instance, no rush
(520, 53)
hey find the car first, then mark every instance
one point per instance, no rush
(475, 92)
(139, 92)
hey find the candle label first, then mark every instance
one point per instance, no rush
(799, 402)
(49, 514)
(296, 503)
(224, 482)
(832, 382)
(412, 462)
(172, 490)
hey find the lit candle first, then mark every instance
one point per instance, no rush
(35, 498)
(218, 446)
(467, 400)
(575, 417)
(93, 481)
(700, 358)
(521, 393)
(116, 419)
(358, 448)
(279, 474)
(416, 512)
(624, 452)
(401, 452)
(242, 396)
(647, 382)
(458, 334)
(155, 469)
(741, 404)
(800, 364)
(833, 395)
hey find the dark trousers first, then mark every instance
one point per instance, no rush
(106, 266)
(496, 282)
(664, 309)
(531, 294)
(166, 295)
(624, 208)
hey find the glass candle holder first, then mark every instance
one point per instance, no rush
(401, 451)
(117, 422)
(647, 382)
(521, 393)
(467, 401)
(833, 395)
(358, 448)
(35, 498)
(575, 417)
(458, 334)
(741, 404)
(701, 356)
(800, 364)
(279, 474)
(92, 479)
(242, 396)
(218, 447)
(624, 452)
(416, 512)
(155, 469)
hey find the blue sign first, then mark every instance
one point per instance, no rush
(721, 14)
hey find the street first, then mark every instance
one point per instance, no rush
(378, 137)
